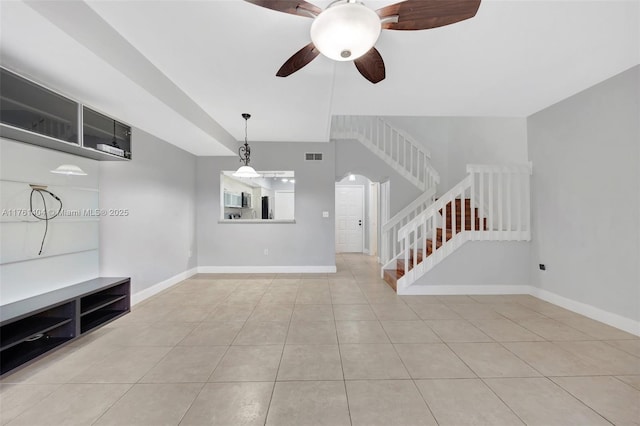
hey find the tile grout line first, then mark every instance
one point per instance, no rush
(284, 344)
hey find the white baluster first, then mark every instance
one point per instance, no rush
(481, 201)
(463, 210)
(473, 202)
(490, 204)
(454, 214)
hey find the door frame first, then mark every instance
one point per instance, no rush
(362, 213)
(384, 200)
(374, 231)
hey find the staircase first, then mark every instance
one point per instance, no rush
(395, 147)
(495, 200)
(496, 205)
(443, 234)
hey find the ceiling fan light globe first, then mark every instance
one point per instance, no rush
(345, 31)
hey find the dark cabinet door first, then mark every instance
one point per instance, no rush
(28, 106)
(99, 130)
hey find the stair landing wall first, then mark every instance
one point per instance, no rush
(479, 264)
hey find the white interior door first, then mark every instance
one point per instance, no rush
(349, 219)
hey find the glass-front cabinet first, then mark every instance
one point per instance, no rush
(34, 114)
(105, 134)
(27, 106)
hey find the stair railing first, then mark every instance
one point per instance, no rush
(390, 244)
(502, 196)
(409, 158)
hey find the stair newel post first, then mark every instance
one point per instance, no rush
(500, 205)
(527, 199)
(509, 203)
(481, 200)
(518, 179)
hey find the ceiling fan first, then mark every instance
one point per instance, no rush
(347, 30)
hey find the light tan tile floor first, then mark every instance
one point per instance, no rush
(332, 349)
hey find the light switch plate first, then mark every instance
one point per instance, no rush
(325, 214)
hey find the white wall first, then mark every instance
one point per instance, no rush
(306, 244)
(586, 196)
(70, 252)
(156, 241)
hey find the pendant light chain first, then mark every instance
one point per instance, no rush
(245, 151)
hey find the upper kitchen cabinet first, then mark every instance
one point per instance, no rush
(34, 114)
(30, 107)
(105, 134)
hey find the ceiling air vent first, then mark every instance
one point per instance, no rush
(313, 156)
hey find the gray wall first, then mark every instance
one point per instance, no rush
(157, 240)
(586, 190)
(483, 263)
(455, 142)
(307, 242)
(353, 157)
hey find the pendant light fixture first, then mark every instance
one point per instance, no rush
(244, 152)
(69, 170)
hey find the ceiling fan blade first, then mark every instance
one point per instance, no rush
(299, 60)
(295, 7)
(371, 66)
(425, 14)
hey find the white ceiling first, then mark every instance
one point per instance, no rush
(185, 70)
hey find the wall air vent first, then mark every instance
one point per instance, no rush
(313, 156)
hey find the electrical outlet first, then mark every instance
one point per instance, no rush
(266, 252)
(542, 267)
(325, 214)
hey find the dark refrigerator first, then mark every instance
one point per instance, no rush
(265, 207)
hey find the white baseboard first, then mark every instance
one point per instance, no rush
(157, 288)
(589, 311)
(441, 290)
(329, 269)
(614, 320)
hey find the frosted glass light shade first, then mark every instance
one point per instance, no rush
(345, 31)
(69, 170)
(246, 171)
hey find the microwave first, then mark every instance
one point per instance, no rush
(246, 200)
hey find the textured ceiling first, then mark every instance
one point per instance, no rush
(185, 70)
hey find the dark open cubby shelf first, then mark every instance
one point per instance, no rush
(98, 318)
(20, 331)
(28, 351)
(32, 327)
